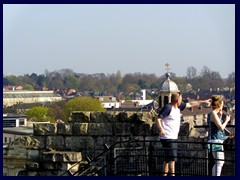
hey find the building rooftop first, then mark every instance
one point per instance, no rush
(168, 84)
(29, 94)
(21, 130)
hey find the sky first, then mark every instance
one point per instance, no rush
(130, 38)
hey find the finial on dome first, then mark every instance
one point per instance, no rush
(168, 75)
(167, 69)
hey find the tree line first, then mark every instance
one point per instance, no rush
(116, 82)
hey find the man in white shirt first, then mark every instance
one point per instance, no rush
(168, 123)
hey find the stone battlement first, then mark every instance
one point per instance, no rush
(55, 147)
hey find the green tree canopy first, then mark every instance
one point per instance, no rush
(231, 80)
(28, 87)
(82, 104)
(38, 113)
(56, 111)
(115, 83)
(71, 81)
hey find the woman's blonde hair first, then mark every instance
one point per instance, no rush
(217, 101)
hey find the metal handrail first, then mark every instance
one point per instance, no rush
(111, 147)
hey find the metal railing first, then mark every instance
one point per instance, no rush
(145, 158)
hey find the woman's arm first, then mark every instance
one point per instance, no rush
(217, 121)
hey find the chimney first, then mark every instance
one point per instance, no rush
(143, 94)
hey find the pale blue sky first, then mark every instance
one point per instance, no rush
(127, 37)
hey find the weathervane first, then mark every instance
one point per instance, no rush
(167, 67)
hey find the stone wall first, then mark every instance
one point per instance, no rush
(55, 147)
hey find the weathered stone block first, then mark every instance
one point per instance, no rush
(186, 118)
(49, 165)
(28, 142)
(63, 173)
(185, 128)
(64, 129)
(80, 129)
(62, 156)
(32, 173)
(55, 143)
(141, 129)
(66, 166)
(100, 141)
(62, 166)
(122, 128)
(80, 116)
(45, 129)
(198, 132)
(198, 122)
(48, 173)
(154, 130)
(100, 129)
(135, 141)
(22, 173)
(17, 152)
(78, 143)
(204, 122)
(123, 117)
(5, 151)
(32, 165)
(146, 117)
(101, 117)
(33, 154)
(104, 142)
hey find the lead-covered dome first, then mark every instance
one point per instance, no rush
(168, 84)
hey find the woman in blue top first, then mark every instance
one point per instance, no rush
(217, 127)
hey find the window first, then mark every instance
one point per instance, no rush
(9, 123)
(21, 122)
